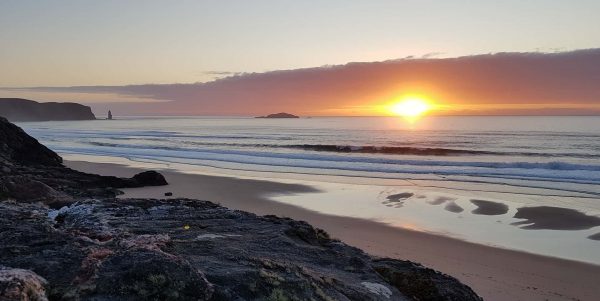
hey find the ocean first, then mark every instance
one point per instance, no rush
(524, 183)
(548, 152)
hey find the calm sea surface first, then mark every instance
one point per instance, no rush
(555, 152)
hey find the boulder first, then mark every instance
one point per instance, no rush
(150, 178)
(25, 189)
(21, 285)
(421, 283)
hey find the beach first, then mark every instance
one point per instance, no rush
(494, 273)
(275, 151)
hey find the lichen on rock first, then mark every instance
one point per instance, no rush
(21, 285)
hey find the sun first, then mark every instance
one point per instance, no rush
(412, 107)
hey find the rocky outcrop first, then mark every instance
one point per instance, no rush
(58, 186)
(30, 172)
(26, 189)
(16, 147)
(181, 249)
(279, 115)
(18, 109)
(21, 285)
(421, 283)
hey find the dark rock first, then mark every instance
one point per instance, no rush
(279, 115)
(150, 178)
(307, 233)
(168, 194)
(17, 147)
(141, 249)
(30, 172)
(420, 283)
(25, 189)
(150, 275)
(18, 109)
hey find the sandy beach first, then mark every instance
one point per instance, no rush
(494, 273)
(360, 150)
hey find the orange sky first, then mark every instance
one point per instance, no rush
(501, 84)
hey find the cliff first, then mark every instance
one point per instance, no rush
(97, 247)
(18, 109)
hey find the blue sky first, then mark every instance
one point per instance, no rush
(66, 43)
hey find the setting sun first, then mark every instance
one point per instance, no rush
(410, 107)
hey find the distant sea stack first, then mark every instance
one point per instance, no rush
(279, 115)
(18, 109)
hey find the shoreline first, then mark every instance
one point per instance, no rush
(494, 273)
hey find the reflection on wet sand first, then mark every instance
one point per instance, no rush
(540, 217)
(489, 208)
(399, 196)
(397, 200)
(453, 207)
(440, 200)
(555, 218)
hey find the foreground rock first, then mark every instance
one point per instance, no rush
(143, 249)
(18, 109)
(22, 285)
(30, 172)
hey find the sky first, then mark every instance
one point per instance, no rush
(121, 43)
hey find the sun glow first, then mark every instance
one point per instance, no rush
(410, 107)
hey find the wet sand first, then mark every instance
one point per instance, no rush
(440, 200)
(489, 207)
(555, 218)
(495, 274)
(453, 207)
(400, 196)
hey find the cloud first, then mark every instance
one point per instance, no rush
(431, 55)
(220, 73)
(493, 82)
